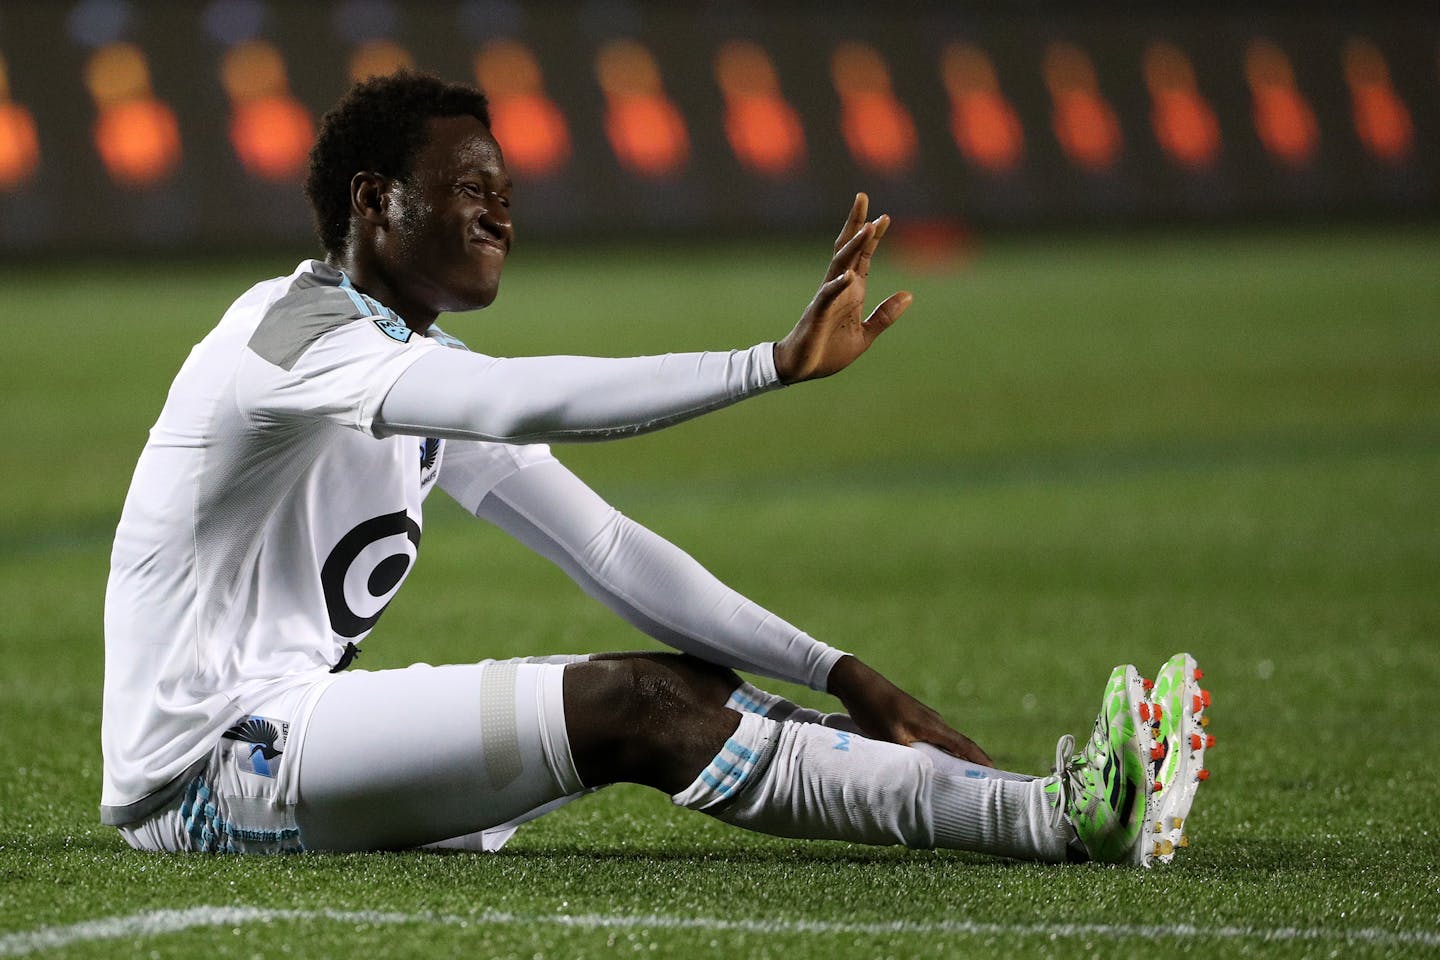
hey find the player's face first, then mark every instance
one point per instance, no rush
(450, 227)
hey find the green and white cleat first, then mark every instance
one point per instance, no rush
(1178, 717)
(1102, 791)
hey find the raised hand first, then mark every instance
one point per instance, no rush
(831, 333)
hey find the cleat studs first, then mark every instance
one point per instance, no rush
(1184, 840)
(1160, 786)
(1196, 742)
(1158, 827)
(1147, 684)
(1199, 674)
(1205, 697)
(1204, 721)
(1210, 740)
(1197, 704)
(1202, 775)
(1157, 752)
(1156, 851)
(1176, 822)
(1159, 713)
(1145, 712)
(1167, 849)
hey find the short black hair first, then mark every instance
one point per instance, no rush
(378, 127)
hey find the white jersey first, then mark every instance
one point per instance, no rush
(274, 512)
(266, 526)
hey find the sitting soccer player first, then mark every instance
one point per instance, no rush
(276, 509)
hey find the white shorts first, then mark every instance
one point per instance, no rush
(454, 756)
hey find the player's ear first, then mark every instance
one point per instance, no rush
(369, 198)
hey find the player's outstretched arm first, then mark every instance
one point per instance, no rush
(832, 331)
(885, 712)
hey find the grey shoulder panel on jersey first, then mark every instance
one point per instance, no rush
(445, 339)
(314, 305)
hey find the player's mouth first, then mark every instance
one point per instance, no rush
(485, 240)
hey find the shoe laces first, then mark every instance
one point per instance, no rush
(1064, 756)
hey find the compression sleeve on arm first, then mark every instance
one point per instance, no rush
(455, 394)
(647, 580)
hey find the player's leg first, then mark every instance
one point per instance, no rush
(408, 757)
(737, 694)
(401, 758)
(633, 719)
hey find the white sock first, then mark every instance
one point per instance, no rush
(748, 698)
(808, 781)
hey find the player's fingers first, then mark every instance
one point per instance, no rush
(878, 227)
(849, 255)
(858, 211)
(831, 289)
(971, 751)
(887, 313)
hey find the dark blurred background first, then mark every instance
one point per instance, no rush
(161, 124)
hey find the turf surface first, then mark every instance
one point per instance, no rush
(1071, 453)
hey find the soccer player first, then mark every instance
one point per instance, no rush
(276, 509)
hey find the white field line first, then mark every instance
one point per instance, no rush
(157, 922)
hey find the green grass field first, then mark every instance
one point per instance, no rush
(1072, 453)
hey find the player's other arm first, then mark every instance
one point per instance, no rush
(667, 594)
(459, 395)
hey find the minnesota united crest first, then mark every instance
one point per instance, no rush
(266, 739)
(429, 454)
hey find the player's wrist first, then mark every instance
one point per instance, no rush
(848, 677)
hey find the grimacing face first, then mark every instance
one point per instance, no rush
(450, 227)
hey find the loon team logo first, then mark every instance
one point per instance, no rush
(266, 744)
(429, 454)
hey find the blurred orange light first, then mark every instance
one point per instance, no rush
(878, 129)
(763, 129)
(647, 135)
(645, 129)
(532, 132)
(627, 69)
(984, 125)
(116, 73)
(765, 133)
(19, 145)
(1085, 124)
(1382, 121)
(252, 70)
(272, 137)
(139, 141)
(1184, 124)
(528, 125)
(1283, 118)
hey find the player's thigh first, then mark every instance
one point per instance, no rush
(399, 758)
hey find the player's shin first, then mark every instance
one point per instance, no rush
(808, 781)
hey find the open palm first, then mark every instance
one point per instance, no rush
(833, 331)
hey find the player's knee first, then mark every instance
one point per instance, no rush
(632, 720)
(635, 696)
(705, 681)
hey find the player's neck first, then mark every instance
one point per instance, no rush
(371, 279)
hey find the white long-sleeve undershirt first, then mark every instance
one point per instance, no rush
(644, 578)
(455, 394)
